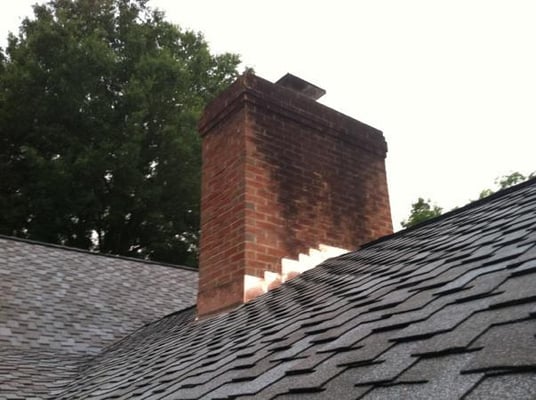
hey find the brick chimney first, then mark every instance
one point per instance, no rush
(281, 174)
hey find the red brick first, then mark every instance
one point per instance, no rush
(281, 174)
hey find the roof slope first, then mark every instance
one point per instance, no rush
(61, 305)
(445, 310)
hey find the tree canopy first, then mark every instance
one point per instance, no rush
(423, 210)
(505, 182)
(99, 102)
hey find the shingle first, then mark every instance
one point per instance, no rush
(434, 378)
(462, 336)
(443, 320)
(340, 387)
(509, 345)
(365, 350)
(253, 387)
(517, 289)
(511, 386)
(387, 366)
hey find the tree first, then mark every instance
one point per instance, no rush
(506, 181)
(99, 102)
(424, 210)
(421, 211)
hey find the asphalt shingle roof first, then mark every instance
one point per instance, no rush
(445, 310)
(60, 306)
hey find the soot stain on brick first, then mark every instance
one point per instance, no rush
(317, 186)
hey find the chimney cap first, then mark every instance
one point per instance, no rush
(301, 86)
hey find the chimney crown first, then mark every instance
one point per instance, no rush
(301, 86)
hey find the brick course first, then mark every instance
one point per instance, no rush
(282, 174)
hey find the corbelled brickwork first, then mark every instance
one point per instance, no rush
(282, 174)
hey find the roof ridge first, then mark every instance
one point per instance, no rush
(94, 253)
(87, 361)
(472, 204)
(183, 311)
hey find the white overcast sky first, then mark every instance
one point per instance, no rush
(452, 84)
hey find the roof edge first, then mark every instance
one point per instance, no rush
(94, 253)
(448, 214)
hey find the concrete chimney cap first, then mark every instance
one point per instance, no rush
(301, 86)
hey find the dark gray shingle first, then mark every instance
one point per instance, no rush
(59, 306)
(443, 310)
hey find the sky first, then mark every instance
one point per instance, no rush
(451, 84)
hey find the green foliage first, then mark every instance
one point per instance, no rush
(506, 181)
(99, 102)
(421, 211)
(485, 193)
